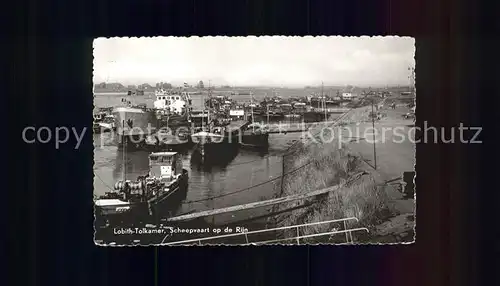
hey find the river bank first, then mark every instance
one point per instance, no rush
(377, 205)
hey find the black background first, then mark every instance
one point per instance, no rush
(50, 219)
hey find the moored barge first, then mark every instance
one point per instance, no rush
(216, 139)
(133, 125)
(254, 136)
(148, 198)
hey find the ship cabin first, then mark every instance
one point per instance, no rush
(175, 103)
(285, 107)
(187, 96)
(237, 114)
(99, 116)
(199, 117)
(107, 110)
(142, 106)
(110, 119)
(166, 166)
(299, 107)
(168, 97)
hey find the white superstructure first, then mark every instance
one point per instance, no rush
(176, 103)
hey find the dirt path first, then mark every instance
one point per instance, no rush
(395, 150)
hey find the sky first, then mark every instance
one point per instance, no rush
(255, 61)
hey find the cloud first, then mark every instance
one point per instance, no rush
(255, 60)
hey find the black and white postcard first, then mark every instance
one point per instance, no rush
(254, 140)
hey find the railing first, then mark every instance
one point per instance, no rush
(298, 237)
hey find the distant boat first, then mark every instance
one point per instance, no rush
(108, 123)
(98, 117)
(135, 92)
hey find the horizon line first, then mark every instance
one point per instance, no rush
(268, 85)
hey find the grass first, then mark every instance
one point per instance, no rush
(330, 166)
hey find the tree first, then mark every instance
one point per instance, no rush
(101, 85)
(144, 86)
(200, 84)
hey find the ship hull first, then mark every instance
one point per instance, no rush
(171, 143)
(272, 117)
(332, 104)
(134, 121)
(210, 145)
(214, 154)
(133, 125)
(117, 212)
(313, 116)
(255, 140)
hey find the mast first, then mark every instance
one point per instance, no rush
(210, 100)
(267, 106)
(124, 171)
(202, 110)
(251, 105)
(323, 103)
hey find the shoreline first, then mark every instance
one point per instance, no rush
(378, 205)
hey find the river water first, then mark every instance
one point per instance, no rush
(231, 173)
(228, 179)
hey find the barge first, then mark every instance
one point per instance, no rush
(133, 125)
(165, 139)
(107, 124)
(212, 140)
(147, 199)
(254, 136)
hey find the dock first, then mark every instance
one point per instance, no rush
(284, 128)
(332, 110)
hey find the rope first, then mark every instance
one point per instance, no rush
(248, 188)
(107, 186)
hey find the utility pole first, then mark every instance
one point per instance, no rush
(373, 126)
(324, 100)
(124, 150)
(251, 110)
(324, 108)
(203, 109)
